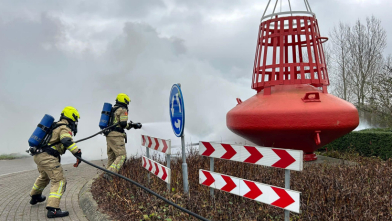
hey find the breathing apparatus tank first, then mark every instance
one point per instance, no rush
(105, 116)
(43, 128)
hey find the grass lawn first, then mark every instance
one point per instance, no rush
(12, 156)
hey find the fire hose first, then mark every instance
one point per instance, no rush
(145, 189)
(129, 180)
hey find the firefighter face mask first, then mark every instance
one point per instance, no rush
(74, 127)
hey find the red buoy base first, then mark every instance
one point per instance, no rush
(310, 157)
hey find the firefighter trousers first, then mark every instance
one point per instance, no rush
(116, 152)
(50, 170)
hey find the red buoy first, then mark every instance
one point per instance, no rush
(292, 108)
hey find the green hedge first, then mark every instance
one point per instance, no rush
(369, 142)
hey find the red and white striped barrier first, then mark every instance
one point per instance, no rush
(266, 156)
(158, 144)
(272, 195)
(157, 169)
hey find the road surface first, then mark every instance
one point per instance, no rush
(15, 187)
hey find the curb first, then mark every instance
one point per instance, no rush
(88, 204)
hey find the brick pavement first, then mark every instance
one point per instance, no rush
(15, 189)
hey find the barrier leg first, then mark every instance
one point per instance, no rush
(212, 170)
(148, 156)
(287, 186)
(168, 166)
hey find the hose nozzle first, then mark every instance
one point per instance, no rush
(137, 125)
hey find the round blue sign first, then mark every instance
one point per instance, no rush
(177, 110)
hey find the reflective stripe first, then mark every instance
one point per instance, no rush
(35, 187)
(121, 162)
(123, 117)
(55, 195)
(54, 147)
(72, 147)
(65, 135)
(118, 166)
(59, 191)
(60, 187)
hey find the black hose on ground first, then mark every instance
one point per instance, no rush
(147, 190)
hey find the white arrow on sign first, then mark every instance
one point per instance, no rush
(176, 96)
(178, 101)
(172, 108)
(177, 124)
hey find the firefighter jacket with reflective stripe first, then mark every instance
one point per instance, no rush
(120, 116)
(64, 135)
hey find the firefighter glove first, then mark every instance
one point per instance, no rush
(129, 126)
(78, 161)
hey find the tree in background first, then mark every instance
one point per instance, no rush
(366, 44)
(340, 60)
(381, 99)
(359, 71)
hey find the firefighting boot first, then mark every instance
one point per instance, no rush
(37, 199)
(53, 212)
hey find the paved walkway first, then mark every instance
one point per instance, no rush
(15, 189)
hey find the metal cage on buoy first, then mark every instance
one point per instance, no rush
(289, 51)
(292, 108)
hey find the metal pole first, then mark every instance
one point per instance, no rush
(148, 156)
(307, 9)
(266, 9)
(168, 166)
(184, 166)
(287, 186)
(212, 170)
(309, 5)
(276, 3)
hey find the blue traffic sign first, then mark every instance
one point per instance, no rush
(177, 110)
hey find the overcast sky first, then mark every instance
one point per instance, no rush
(83, 53)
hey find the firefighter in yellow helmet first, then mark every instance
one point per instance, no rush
(48, 158)
(116, 137)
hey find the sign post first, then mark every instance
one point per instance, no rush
(177, 118)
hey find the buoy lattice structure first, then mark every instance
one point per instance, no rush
(292, 108)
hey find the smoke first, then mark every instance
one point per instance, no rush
(39, 77)
(83, 54)
(363, 125)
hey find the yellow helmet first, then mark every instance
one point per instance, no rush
(71, 113)
(123, 98)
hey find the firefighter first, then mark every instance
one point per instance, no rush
(116, 137)
(48, 163)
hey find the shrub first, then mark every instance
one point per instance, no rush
(328, 192)
(369, 142)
